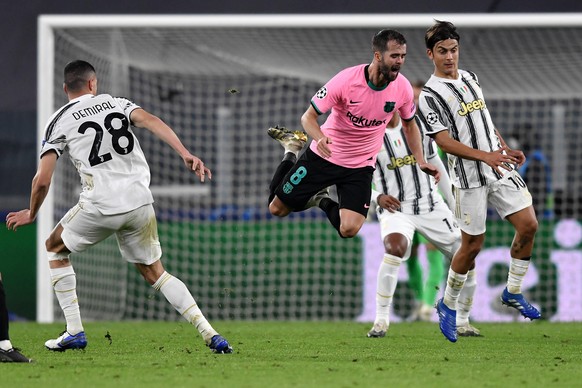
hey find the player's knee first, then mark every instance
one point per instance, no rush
(349, 231)
(471, 246)
(529, 228)
(469, 250)
(395, 244)
(394, 251)
(53, 244)
(472, 250)
(151, 272)
(278, 208)
(395, 247)
(278, 211)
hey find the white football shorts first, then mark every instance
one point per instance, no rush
(136, 231)
(439, 227)
(507, 195)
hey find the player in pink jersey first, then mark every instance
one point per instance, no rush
(362, 99)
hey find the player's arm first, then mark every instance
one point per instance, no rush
(143, 119)
(444, 183)
(494, 159)
(413, 137)
(40, 186)
(384, 201)
(311, 126)
(388, 202)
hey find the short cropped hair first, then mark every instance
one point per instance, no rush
(381, 39)
(441, 30)
(77, 74)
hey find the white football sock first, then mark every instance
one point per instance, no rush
(455, 283)
(65, 285)
(180, 297)
(465, 301)
(386, 285)
(5, 345)
(517, 270)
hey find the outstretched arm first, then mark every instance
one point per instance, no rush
(40, 187)
(154, 124)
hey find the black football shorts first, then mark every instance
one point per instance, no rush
(312, 173)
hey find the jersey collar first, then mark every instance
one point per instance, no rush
(370, 84)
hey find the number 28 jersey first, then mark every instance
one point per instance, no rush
(96, 132)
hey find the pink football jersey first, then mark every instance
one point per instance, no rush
(359, 114)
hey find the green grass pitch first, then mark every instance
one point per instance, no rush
(300, 354)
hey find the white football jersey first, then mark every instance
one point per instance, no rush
(96, 132)
(458, 106)
(397, 173)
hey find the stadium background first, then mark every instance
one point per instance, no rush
(18, 100)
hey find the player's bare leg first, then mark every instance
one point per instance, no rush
(464, 259)
(278, 208)
(350, 222)
(64, 281)
(526, 225)
(462, 262)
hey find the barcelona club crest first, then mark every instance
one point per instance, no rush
(389, 106)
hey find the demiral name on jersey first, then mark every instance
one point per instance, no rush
(93, 110)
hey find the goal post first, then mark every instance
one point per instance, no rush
(45, 219)
(221, 80)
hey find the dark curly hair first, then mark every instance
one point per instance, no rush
(441, 30)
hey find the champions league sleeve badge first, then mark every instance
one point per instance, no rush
(432, 118)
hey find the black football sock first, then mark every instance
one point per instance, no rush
(331, 209)
(3, 314)
(286, 164)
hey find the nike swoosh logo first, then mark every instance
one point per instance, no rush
(354, 102)
(67, 341)
(366, 206)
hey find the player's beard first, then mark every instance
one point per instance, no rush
(389, 72)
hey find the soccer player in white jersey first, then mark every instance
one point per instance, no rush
(482, 170)
(426, 290)
(362, 99)
(408, 202)
(96, 131)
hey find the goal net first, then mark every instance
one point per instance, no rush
(221, 81)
